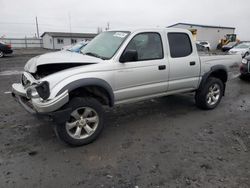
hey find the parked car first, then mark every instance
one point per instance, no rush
(201, 48)
(119, 67)
(5, 49)
(206, 44)
(229, 46)
(75, 47)
(245, 68)
(78, 47)
(242, 49)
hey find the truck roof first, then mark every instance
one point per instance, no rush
(153, 30)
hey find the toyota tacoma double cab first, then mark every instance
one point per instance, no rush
(119, 67)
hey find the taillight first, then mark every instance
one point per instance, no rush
(8, 45)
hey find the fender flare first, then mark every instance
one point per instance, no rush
(211, 71)
(90, 82)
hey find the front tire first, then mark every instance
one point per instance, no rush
(244, 77)
(209, 96)
(84, 124)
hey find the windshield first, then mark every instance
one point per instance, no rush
(243, 45)
(231, 44)
(106, 44)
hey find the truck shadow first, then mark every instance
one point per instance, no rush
(170, 106)
(127, 115)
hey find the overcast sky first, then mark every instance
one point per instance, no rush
(17, 17)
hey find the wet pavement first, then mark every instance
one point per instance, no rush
(165, 142)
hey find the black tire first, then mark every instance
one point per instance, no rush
(80, 104)
(1, 54)
(201, 96)
(244, 77)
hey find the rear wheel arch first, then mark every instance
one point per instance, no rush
(217, 71)
(91, 87)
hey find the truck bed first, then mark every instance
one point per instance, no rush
(231, 62)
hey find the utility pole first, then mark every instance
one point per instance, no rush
(69, 22)
(70, 27)
(107, 28)
(37, 29)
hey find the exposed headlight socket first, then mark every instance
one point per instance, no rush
(43, 90)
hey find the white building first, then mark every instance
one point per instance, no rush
(56, 40)
(212, 34)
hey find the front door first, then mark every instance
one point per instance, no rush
(148, 75)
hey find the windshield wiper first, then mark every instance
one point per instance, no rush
(94, 55)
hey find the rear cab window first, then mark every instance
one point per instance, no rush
(179, 44)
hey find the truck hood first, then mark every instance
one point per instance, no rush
(60, 57)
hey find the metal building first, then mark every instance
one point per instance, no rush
(209, 33)
(56, 40)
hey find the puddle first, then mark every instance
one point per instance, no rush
(9, 73)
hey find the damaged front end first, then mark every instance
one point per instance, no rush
(34, 95)
(35, 92)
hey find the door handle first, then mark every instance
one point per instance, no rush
(192, 63)
(162, 67)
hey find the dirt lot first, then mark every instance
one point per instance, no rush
(166, 142)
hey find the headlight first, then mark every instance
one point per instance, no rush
(244, 61)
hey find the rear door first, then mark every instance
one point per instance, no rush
(184, 62)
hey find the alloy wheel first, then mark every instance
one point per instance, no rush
(213, 95)
(83, 123)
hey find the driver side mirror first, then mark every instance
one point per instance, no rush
(129, 55)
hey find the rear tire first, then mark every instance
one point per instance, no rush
(244, 77)
(85, 123)
(209, 96)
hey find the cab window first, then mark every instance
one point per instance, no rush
(147, 45)
(179, 44)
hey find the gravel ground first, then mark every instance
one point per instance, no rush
(165, 142)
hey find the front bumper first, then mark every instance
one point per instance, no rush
(37, 105)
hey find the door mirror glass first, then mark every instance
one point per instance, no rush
(128, 56)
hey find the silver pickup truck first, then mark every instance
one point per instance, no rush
(119, 67)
